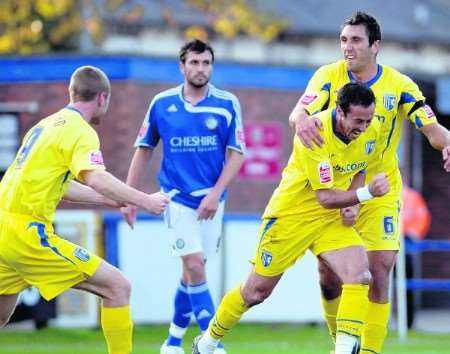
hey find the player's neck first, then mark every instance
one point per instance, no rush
(194, 94)
(367, 73)
(84, 108)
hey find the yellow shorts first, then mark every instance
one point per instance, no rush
(285, 240)
(378, 225)
(32, 255)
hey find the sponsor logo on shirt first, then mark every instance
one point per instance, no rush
(389, 102)
(428, 111)
(193, 141)
(324, 172)
(308, 98)
(96, 158)
(350, 167)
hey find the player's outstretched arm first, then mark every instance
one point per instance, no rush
(80, 193)
(439, 138)
(336, 199)
(306, 128)
(208, 207)
(106, 184)
(139, 162)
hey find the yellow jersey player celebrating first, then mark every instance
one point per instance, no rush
(56, 150)
(303, 214)
(397, 98)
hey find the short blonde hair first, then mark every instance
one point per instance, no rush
(87, 82)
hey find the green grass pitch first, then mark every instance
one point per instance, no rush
(244, 339)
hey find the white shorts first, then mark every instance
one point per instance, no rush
(188, 235)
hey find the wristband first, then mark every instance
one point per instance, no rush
(363, 194)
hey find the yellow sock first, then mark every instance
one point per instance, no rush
(118, 329)
(228, 314)
(375, 329)
(330, 309)
(352, 309)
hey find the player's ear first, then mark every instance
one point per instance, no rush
(375, 46)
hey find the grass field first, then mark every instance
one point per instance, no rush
(245, 339)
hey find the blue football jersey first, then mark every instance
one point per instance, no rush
(194, 138)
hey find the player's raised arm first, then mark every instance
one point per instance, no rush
(306, 128)
(109, 186)
(335, 198)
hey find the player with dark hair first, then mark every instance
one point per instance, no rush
(303, 214)
(398, 99)
(198, 125)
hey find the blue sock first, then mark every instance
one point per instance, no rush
(181, 316)
(202, 304)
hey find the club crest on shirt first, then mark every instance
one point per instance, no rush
(81, 254)
(96, 158)
(266, 258)
(211, 123)
(370, 145)
(324, 172)
(389, 102)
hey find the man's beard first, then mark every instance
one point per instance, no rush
(198, 85)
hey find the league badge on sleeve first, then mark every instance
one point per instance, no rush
(324, 172)
(308, 98)
(428, 111)
(96, 158)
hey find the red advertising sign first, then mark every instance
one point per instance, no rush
(264, 142)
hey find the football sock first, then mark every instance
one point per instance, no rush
(202, 304)
(350, 316)
(228, 314)
(117, 329)
(181, 316)
(375, 328)
(330, 309)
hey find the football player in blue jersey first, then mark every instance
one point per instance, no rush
(200, 127)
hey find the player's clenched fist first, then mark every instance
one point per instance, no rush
(379, 185)
(156, 203)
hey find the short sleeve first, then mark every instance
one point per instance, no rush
(413, 106)
(81, 149)
(317, 93)
(318, 166)
(148, 135)
(236, 139)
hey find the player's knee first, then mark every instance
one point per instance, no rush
(256, 296)
(365, 277)
(195, 269)
(120, 291)
(330, 290)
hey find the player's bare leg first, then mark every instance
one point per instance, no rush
(351, 265)
(115, 290)
(7, 306)
(234, 304)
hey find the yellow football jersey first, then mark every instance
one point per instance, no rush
(332, 166)
(53, 152)
(397, 98)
